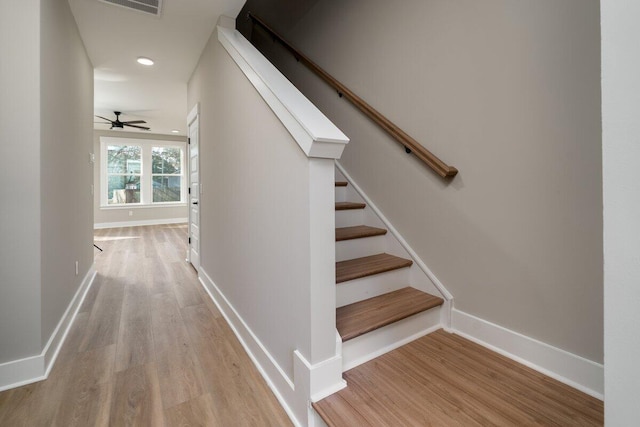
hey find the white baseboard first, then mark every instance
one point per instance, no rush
(573, 370)
(281, 385)
(293, 395)
(25, 371)
(140, 223)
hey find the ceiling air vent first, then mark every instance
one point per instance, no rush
(148, 6)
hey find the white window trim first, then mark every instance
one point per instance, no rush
(146, 182)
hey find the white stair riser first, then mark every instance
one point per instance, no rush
(375, 343)
(341, 194)
(349, 218)
(358, 248)
(371, 286)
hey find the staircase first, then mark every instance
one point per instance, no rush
(383, 299)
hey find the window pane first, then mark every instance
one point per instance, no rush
(166, 160)
(123, 189)
(123, 159)
(166, 189)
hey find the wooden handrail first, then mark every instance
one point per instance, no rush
(410, 144)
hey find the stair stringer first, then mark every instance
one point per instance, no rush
(420, 276)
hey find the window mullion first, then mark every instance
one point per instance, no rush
(146, 180)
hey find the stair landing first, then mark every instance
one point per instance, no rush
(445, 380)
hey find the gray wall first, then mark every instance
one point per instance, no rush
(101, 216)
(46, 208)
(66, 174)
(254, 207)
(508, 92)
(20, 175)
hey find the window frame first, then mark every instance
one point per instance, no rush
(146, 174)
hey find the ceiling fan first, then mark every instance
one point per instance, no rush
(120, 125)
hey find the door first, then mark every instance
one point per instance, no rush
(194, 191)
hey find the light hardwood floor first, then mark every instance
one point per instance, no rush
(148, 348)
(445, 380)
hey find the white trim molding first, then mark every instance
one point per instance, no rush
(140, 223)
(310, 382)
(316, 135)
(571, 369)
(437, 283)
(25, 371)
(193, 114)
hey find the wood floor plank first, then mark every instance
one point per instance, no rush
(196, 412)
(185, 285)
(178, 367)
(135, 338)
(333, 409)
(445, 380)
(88, 393)
(237, 396)
(367, 266)
(452, 388)
(156, 276)
(358, 232)
(15, 410)
(365, 316)
(524, 385)
(104, 320)
(136, 398)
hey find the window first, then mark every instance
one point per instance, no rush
(124, 170)
(141, 172)
(166, 169)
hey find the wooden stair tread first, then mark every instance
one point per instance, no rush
(366, 266)
(365, 316)
(341, 183)
(343, 206)
(357, 232)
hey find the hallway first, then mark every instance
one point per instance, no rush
(147, 348)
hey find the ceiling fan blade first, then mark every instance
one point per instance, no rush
(136, 126)
(102, 123)
(133, 121)
(104, 118)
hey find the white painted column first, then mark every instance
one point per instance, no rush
(621, 187)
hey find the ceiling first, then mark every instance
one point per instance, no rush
(115, 37)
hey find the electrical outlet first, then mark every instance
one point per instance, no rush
(130, 213)
(92, 158)
(76, 268)
(92, 189)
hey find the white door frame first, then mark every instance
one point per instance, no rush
(193, 250)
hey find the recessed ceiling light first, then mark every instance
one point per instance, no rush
(175, 131)
(145, 61)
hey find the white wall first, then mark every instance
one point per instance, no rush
(509, 93)
(621, 179)
(113, 216)
(20, 175)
